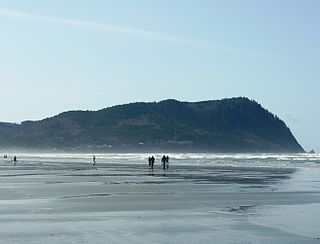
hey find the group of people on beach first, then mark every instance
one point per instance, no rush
(164, 162)
(151, 161)
(14, 160)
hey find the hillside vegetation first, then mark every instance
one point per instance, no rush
(228, 125)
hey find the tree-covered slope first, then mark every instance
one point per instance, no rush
(228, 125)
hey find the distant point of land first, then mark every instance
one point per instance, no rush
(227, 125)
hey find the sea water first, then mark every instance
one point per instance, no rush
(200, 198)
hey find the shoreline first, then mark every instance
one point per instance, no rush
(74, 202)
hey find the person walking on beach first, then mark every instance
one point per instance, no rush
(163, 161)
(94, 160)
(149, 161)
(152, 161)
(15, 160)
(167, 161)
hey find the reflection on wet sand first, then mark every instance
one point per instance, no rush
(111, 197)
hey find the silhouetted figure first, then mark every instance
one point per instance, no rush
(5, 156)
(152, 161)
(163, 161)
(167, 161)
(149, 161)
(15, 160)
(94, 160)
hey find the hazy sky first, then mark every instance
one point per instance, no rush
(59, 55)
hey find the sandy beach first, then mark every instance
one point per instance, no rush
(199, 199)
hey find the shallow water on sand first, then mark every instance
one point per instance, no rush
(201, 198)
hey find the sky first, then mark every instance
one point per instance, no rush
(61, 55)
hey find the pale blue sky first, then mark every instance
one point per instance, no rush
(59, 55)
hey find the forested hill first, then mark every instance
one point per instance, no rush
(228, 125)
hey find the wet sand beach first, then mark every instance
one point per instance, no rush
(199, 199)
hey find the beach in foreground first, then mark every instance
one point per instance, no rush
(205, 198)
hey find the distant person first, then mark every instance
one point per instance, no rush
(167, 161)
(94, 160)
(151, 164)
(15, 160)
(152, 161)
(149, 161)
(5, 156)
(163, 161)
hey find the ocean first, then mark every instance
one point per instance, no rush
(200, 198)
